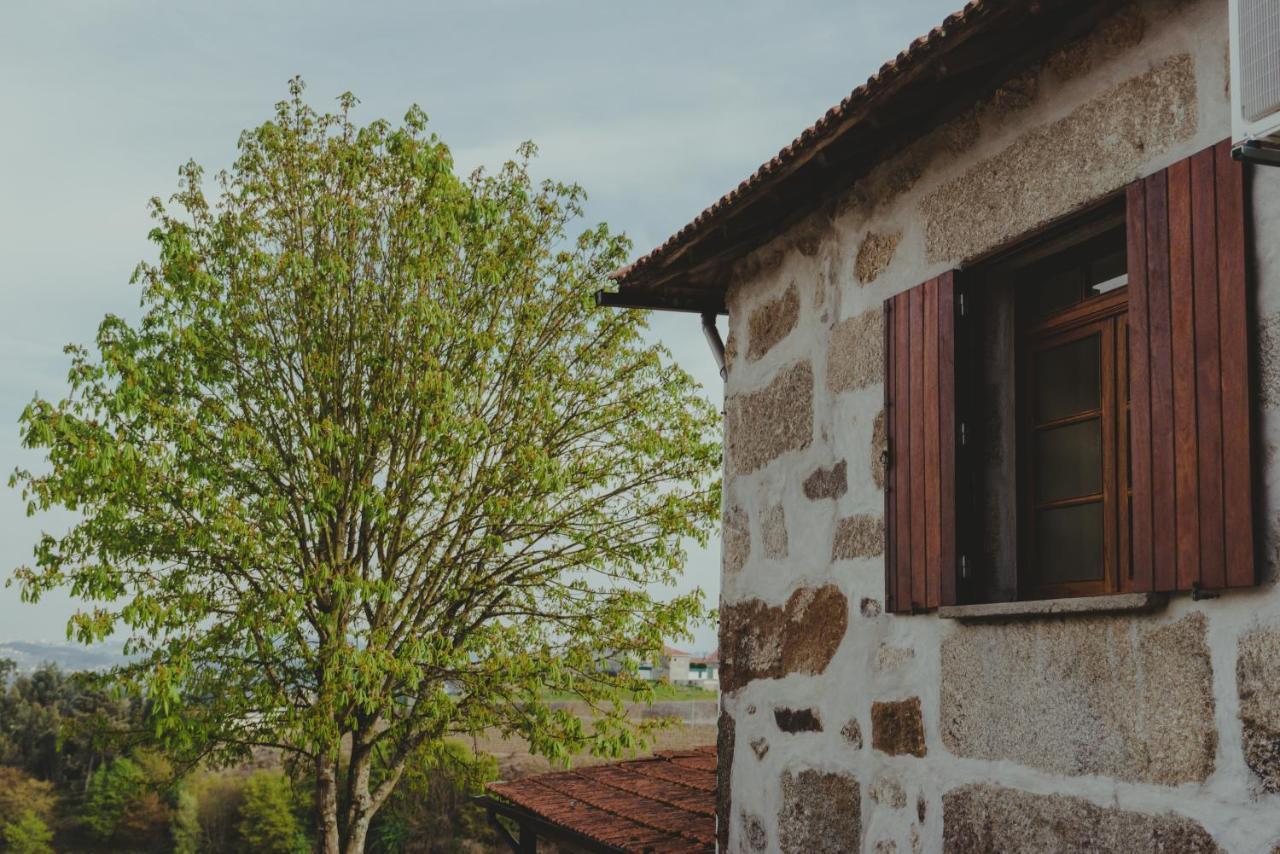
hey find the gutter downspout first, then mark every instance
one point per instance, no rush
(708, 308)
(713, 339)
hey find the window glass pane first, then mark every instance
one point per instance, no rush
(1107, 272)
(1069, 543)
(1058, 291)
(1068, 461)
(1067, 379)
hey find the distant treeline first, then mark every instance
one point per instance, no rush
(76, 774)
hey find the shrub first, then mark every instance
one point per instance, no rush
(27, 834)
(219, 797)
(21, 793)
(267, 820)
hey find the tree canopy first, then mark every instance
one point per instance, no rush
(371, 469)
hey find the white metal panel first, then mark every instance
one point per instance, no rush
(1255, 69)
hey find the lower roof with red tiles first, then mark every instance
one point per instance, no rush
(665, 803)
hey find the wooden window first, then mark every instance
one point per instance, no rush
(1133, 432)
(1073, 489)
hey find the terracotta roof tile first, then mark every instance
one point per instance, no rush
(662, 804)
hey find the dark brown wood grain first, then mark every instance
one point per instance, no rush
(920, 413)
(1193, 433)
(1234, 323)
(902, 450)
(1208, 371)
(1160, 366)
(919, 507)
(1186, 465)
(890, 470)
(1140, 577)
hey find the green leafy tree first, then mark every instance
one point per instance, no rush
(27, 834)
(372, 469)
(184, 826)
(113, 788)
(58, 726)
(267, 820)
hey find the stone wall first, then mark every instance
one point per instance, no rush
(844, 728)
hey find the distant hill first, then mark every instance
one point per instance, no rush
(69, 656)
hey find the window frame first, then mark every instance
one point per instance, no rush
(1105, 316)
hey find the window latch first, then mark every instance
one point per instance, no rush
(964, 566)
(964, 433)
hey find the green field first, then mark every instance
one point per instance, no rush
(661, 692)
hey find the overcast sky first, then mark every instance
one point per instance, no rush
(656, 108)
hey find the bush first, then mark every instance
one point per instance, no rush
(219, 798)
(20, 793)
(267, 820)
(27, 834)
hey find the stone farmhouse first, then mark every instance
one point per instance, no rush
(1001, 496)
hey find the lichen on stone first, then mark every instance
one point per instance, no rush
(797, 720)
(1038, 177)
(875, 253)
(888, 792)
(763, 425)
(1114, 35)
(858, 537)
(757, 838)
(772, 321)
(821, 812)
(855, 352)
(1127, 698)
(852, 733)
(897, 727)
(977, 819)
(735, 541)
(828, 482)
(761, 641)
(1269, 360)
(879, 448)
(773, 532)
(1258, 684)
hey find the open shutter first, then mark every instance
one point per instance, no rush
(920, 419)
(1192, 514)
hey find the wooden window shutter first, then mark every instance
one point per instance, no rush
(920, 422)
(1192, 517)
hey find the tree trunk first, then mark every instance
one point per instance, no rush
(326, 807)
(359, 801)
(356, 834)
